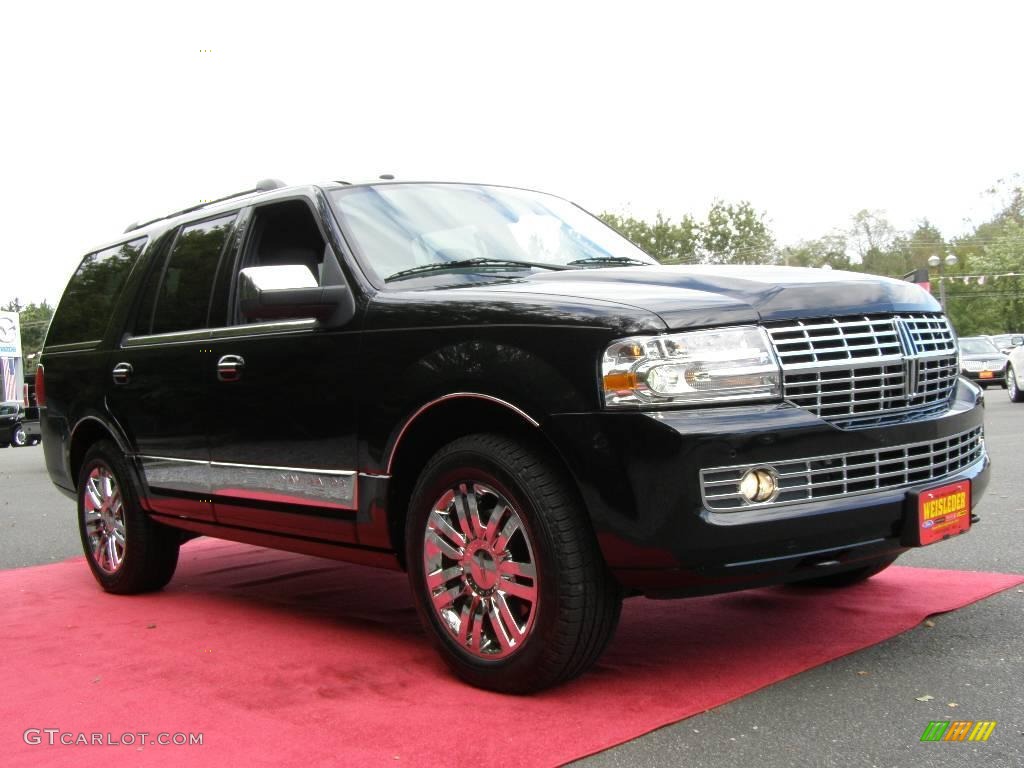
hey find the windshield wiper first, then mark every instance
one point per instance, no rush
(611, 260)
(477, 262)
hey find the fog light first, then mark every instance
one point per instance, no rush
(759, 485)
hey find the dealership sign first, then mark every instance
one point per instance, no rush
(10, 356)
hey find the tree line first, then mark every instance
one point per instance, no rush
(984, 289)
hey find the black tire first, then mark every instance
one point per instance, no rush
(148, 550)
(531, 643)
(849, 578)
(18, 437)
(1012, 390)
(35, 441)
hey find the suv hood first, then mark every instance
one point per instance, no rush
(694, 296)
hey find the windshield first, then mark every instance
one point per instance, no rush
(977, 347)
(399, 228)
(7, 410)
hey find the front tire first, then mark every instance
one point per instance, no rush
(1012, 390)
(505, 569)
(18, 436)
(127, 551)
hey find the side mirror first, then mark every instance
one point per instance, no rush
(289, 291)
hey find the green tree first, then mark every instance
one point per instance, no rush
(33, 319)
(667, 241)
(981, 296)
(732, 233)
(830, 250)
(735, 233)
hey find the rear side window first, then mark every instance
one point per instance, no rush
(183, 301)
(92, 294)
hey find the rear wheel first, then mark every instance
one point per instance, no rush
(1012, 389)
(18, 436)
(127, 551)
(505, 568)
(849, 578)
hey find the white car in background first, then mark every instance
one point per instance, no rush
(1015, 375)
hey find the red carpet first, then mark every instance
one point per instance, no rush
(285, 660)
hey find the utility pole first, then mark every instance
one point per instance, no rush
(937, 261)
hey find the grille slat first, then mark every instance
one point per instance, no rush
(829, 477)
(852, 371)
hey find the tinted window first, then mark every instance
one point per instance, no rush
(92, 293)
(184, 296)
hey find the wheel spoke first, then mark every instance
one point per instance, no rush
(106, 486)
(92, 494)
(507, 620)
(476, 616)
(493, 522)
(501, 543)
(446, 597)
(98, 546)
(462, 513)
(440, 578)
(499, 630)
(435, 545)
(516, 589)
(112, 552)
(473, 508)
(439, 523)
(513, 568)
(468, 620)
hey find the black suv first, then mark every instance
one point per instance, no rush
(489, 388)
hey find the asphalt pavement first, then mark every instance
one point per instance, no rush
(861, 710)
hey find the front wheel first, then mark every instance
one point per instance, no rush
(18, 437)
(127, 551)
(506, 571)
(1016, 396)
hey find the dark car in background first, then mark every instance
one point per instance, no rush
(18, 426)
(982, 362)
(502, 396)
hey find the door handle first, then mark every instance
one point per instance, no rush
(122, 373)
(229, 368)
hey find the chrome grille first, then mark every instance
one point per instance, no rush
(844, 474)
(858, 371)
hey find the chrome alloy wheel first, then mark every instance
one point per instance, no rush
(480, 571)
(103, 515)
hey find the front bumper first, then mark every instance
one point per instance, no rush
(640, 478)
(996, 377)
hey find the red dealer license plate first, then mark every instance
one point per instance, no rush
(943, 512)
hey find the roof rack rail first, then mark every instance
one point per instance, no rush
(263, 185)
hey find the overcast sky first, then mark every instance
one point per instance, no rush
(811, 111)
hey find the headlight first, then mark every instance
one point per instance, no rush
(732, 364)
